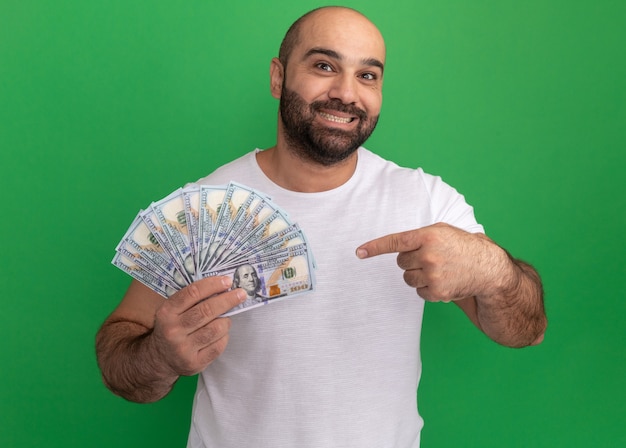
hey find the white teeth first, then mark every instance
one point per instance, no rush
(335, 118)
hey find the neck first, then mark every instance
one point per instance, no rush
(293, 173)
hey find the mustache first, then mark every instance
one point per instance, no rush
(338, 106)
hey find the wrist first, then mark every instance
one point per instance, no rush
(151, 348)
(505, 275)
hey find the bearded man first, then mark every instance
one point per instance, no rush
(339, 367)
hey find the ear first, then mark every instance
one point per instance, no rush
(277, 77)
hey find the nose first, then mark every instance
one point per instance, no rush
(344, 88)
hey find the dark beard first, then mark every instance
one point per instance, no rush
(322, 145)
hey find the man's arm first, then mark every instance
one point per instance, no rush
(148, 342)
(515, 317)
(501, 295)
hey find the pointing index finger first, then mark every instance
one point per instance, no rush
(388, 244)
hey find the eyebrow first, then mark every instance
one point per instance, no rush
(373, 62)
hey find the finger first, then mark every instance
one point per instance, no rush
(415, 278)
(198, 291)
(409, 260)
(427, 294)
(210, 309)
(211, 332)
(424, 293)
(209, 353)
(431, 293)
(395, 242)
(201, 357)
(217, 305)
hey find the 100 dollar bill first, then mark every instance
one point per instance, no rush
(272, 279)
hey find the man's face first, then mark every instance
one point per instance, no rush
(331, 89)
(248, 280)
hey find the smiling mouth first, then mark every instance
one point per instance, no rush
(335, 118)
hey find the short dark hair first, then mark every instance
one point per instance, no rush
(291, 39)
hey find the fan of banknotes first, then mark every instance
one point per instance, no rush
(205, 230)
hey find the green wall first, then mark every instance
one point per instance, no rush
(105, 106)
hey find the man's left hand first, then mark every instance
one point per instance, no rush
(445, 263)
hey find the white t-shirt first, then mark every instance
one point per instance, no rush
(337, 367)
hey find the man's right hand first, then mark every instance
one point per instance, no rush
(188, 333)
(148, 341)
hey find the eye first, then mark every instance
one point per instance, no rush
(324, 66)
(369, 76)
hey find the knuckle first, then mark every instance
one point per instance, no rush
(207, 308)
(430, 258)
(162, 314)
(191, 318)
(169, 333)
(206, 336)
(430, 237)
(166, 329)
(434, 277)
(193, 291)
(213, 332)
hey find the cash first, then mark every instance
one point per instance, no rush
(205, 230)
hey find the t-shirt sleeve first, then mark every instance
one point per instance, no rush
(449, 206)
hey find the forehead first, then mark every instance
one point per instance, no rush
(344, 31)
(246, 270)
